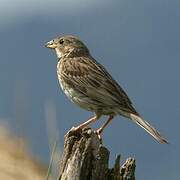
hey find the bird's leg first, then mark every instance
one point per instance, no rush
(100, 130)
(86, 123)
(89, 121)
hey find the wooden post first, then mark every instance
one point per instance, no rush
(85, 158)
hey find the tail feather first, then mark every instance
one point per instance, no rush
(147, 127)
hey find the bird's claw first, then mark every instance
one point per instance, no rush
(73, 131)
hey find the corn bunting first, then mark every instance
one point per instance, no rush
(88, 84)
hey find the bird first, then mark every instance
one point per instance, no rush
(88, 84)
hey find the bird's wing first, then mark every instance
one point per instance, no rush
(91, 79)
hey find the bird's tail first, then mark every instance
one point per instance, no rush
(147, 127)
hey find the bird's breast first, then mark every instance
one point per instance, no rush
(70, 92)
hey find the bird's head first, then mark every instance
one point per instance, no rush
(68, 46)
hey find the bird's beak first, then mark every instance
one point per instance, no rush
(51, 44)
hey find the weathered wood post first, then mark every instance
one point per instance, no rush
(85, 158)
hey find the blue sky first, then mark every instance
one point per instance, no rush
(137, 41)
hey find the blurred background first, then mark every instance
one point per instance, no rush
(137, 41)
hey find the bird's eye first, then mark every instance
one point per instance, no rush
(61, 41)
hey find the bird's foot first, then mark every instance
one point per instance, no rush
(74, 131)
(77, 131)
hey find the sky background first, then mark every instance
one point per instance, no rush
(137, 41)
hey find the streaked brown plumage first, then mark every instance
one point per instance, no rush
(88, 84)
